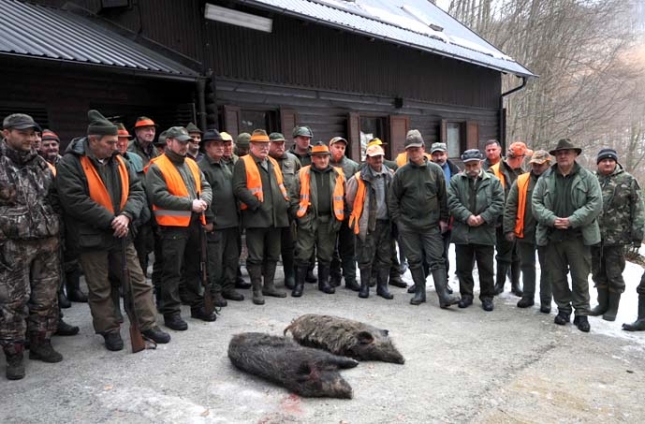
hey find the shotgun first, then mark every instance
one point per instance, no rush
(203, 269)
(136, 338)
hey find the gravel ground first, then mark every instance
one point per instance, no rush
(509, 365)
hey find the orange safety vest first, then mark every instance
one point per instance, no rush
(254, 181)
(498, 173)
(98, 191)
(522, 189)
(338, 197)
(176, 187)
(402, 158)
(359, 200)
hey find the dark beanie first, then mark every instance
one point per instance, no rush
(606, 154)
(99, 125)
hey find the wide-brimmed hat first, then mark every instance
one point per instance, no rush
(565, 144)
(320, 148)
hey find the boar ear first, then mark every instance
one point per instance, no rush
(307, 372)
(385, 332)
(364, 337)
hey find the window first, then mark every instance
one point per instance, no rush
(454, 139)
(258, 119)
(372, 127)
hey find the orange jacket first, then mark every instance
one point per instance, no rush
(338, 196)
(359, 200)
(254, 180)
(522, 189)
(176, 187)
(98, 191)
(402, 158)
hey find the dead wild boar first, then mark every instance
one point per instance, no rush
(305, 371)
(344, 337)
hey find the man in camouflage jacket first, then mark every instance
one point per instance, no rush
(621, 224)
(29, 247)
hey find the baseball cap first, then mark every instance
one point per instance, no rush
(438, 147)
(414, 139)
(178, 133)
(471, 155)
(276, 136)
(19, 121)
(518, 148)
(540, 156)
(374, 150)
(338, 140)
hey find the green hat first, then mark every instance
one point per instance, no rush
(302, 132)
(243, 140)
(192, 128)
(161, 141)
(19, 121)
(413, 139)
(566, 144)
(178, 133)
(276, 136)
(99, 125)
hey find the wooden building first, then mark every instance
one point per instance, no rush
(357, 68)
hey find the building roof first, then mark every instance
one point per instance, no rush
(419, 24)
(36, 31)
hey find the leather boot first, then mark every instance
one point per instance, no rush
(64, 329)
(15, 356)
(419, 278)
(218, 300)
(382, 276)
(269, 282)
(639, 324)
(397, 281)
(323, 280)
(500, 278)
(239, 280)
(612, 309)
(63, 301)
(603, 302)
(255, 272)
(351, 284)
(440, 283)
(301, 274)
(311, 278)
(73, 286)
(516, 272)
(40, 347)
(366, 275)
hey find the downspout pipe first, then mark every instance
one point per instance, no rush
(502, 123)
(201, 102)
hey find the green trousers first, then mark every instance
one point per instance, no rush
(570, 255)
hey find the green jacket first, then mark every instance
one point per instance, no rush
(289, 165)
(89, 223)
(417, 196)
(223, 211)
(510, 211)
(304, 159)
(586, 197)
(308, 222)
(273, 212)
(489, 204)
(348, 166)
(151, 152)
(623, 216)
(157, 188)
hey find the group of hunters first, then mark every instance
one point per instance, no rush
(112, 199)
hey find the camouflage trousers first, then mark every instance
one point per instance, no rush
(376, 250)
(607, 266)
(29, 281)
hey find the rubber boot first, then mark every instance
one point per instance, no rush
(366, 275)
(335, 278)
(73, 286)
(63, 301)
(412, 289)
(639, 324)
(15, 356)
(440, 283)
(516, 271)
(612, 309)
(255, 272)
(383, 274)
(301, 274)
(289, 276)
(419, 278)
(40, 347)
(269, 283)
(603, 302)
(500, 278)
(323, 280)
(311, 278)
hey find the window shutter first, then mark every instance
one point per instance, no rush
(472, 135)
(288, 121)
(399, 126)
(443, 131)
(354, 132)
(232, 120)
